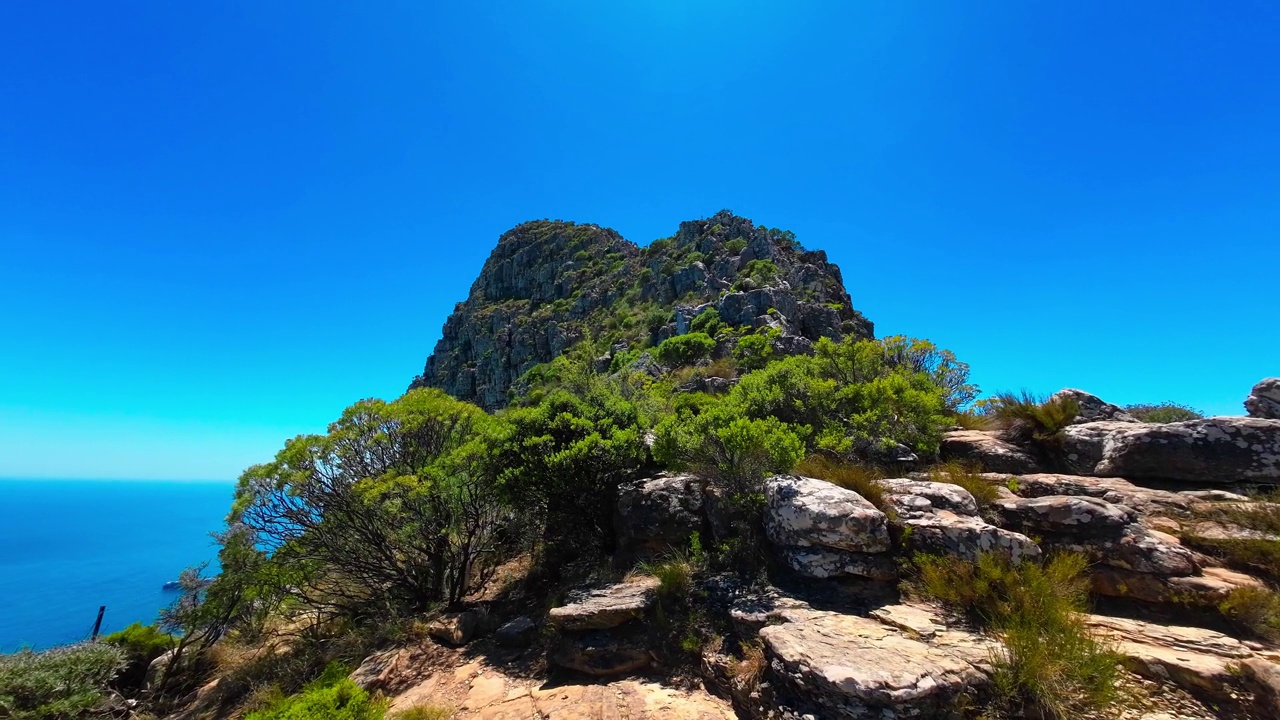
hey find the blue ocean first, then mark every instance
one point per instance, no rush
(69, 546)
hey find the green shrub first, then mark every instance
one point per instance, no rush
(685, 349)
(142, 642)
(1026, 417)
(735, 453)
(753, 352)
(708, 322)
(1165, 412)
(1050, 661)
(331, 697)
(735, 245)
(57, 684)
(1255, 609)
(758, 273)
(967, 477)
(861, 479)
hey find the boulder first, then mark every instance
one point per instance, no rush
(938, 495)
(1198, 660)
(602, 653)
(658, 514)
(1117, 491)
(822, 563)
(847, 666)
(1078, 517)
(1092, 407)
(1081, 447)
(804, 512)
(965, 536)
(516, 633)
(1205, 590)
(1264, 400)
(607, 607)
(1212, 450)
(454, 628)
(988, 451)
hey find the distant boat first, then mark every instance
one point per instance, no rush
(177, 584)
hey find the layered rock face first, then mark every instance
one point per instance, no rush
(548, 283)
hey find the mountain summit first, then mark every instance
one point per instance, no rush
(549, 285)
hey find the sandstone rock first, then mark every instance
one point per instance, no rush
(1204, 590)
(1092, 407)
(602, 653)
(516, 633)
(1264, 400)
(1146, 501)
(454, 628)
(1202, 661)
(1079, 517)
(820, 563)
(803, 512)
(1212, 450)
(988, 451)
(607, 607)
(847, 666)
(658, 514)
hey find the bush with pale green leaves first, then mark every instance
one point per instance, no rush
(60, 683)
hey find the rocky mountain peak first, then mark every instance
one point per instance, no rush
(549, 285)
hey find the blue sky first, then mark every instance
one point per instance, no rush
(223, 222)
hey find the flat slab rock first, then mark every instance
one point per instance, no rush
(804, 512)
(853, 667)
(607, 607)
(988, 451)
(1073, 515)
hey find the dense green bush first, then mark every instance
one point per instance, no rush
(57, 684)
(708, 321)
(145, 642)
(755, 351)
(331, 697)
(686, 349)
(1165, 412)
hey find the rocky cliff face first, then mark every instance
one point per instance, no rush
(550, 285)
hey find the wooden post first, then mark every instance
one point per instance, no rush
(97, 624)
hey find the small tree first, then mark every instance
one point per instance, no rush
(684, 350)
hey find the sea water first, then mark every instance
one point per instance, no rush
(70, 546)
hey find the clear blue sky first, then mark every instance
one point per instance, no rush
(223, 222)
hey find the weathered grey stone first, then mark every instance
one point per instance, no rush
(847, 666)
(988, 451)
(1114, 490)
(659, 513)
(607, 607)
(1264, 400)
(1092, 407)
(825, 562)
(804, 512)
(939, 495)
(1205, 590)
(1078, 517)
(516, 633)
(965, 536)
(1211, 450)
(1083, 445)
(1199, 660)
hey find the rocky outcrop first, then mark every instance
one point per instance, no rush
(601, 632)
(1211, 450)
(608, 607)
(987, 451)
(549, 283)
(454, 628)
(849, 666)
(804, 512)
(1092, 407)
(658, 514)
(1264, 400)
(942, 519)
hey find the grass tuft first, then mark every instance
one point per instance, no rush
(748, 670)
(1165, 412)
(967, 477)
(674, 574)
(1254, 609)
(972, 421)
(850, 476)
(1050, 662)
(1025, 417)
(1258, 556)
(424, 712)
